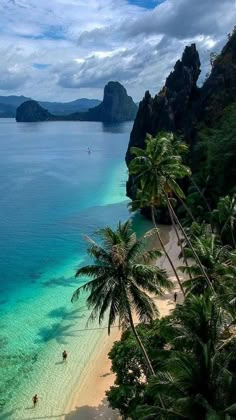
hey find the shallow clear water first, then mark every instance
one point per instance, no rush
(52, 192)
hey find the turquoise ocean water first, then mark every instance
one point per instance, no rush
(52, 192)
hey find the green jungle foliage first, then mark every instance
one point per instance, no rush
(213, 157)
(193, 350)
(182, 366)
(194, 356)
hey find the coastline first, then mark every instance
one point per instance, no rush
(75, 390)
(38, 321)
(89, 400)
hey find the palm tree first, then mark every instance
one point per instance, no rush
(192, 388)
(122, 280)
(201, 193)
(194, 253)
(217, 260)
(146, 167)
(224, 217)
(144, 199)
(197, 381)
(157, 168)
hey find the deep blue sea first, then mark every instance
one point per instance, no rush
(52, 192)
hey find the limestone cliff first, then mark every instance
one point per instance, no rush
(116, 106)
(182, 107)
(171, 108)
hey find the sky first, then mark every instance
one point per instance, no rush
(61, 50)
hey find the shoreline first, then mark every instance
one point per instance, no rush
(89, 400)
(75, 390)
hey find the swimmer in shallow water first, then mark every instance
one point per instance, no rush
(64, 355)
(35, 399)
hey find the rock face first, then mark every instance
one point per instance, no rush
(181, 106)
(219, 90)
(170, 110)
(116, 107)
(31, 111)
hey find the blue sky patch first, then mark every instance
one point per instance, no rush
(146, 4)
(40, 66)
(54, 32)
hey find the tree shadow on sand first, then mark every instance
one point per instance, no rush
(56, 332)
(86, 412)
(63, 313)
(61, 281)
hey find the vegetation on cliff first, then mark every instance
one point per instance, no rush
(204, 117)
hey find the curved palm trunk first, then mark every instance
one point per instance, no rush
(233, 238)
(150, 368)
(145, 355)
(171, 210)
(201, 194)
(166, 253)
(204, 199)
(232, 225)
(187, 209)
(181, 246)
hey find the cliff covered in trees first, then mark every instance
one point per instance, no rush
(205, 117)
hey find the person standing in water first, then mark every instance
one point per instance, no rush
(35, 399)
(64, 355)
(175, 297)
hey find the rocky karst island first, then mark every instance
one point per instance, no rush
(116, 107)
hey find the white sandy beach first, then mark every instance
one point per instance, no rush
(89, 401)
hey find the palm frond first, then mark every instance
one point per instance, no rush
(144, 306)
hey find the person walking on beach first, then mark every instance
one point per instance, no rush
(175, 297)
(35, 399)
(64, 355)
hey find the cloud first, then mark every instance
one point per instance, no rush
(11, 81)
(70, 48)
(186, 18)
(97, 69)
(13, 72)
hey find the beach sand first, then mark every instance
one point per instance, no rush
(88, 401)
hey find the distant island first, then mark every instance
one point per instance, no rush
(116, 107)
(9, 104)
